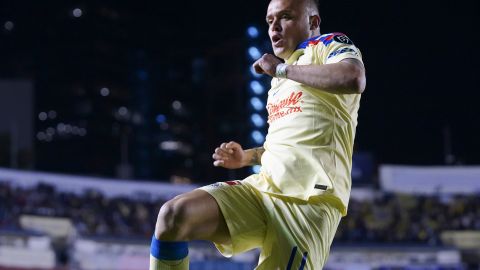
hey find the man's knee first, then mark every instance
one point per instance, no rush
(172, 221)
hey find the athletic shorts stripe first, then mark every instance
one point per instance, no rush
(292, 256)
(304, 260)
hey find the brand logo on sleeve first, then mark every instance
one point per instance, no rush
(284, 107)
(344, 50)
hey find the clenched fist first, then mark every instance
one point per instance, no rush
(267, 64)
(229, 155)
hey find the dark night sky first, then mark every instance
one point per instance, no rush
(421, 58)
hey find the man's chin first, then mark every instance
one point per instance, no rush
(280, 53)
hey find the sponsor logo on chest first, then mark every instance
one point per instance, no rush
(282, 107)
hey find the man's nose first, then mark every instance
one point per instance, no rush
(276, 26)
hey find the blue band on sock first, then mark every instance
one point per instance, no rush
(168, 250)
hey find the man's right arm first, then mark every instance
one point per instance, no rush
(232, 156)
(254, 155)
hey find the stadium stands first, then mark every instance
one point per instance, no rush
(87, 228)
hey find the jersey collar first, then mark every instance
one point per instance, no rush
(309, 41)
(301, 47)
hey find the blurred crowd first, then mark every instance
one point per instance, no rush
(91, 213)
(389, 218)
(400, 218)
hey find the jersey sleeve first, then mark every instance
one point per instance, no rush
(340, 48)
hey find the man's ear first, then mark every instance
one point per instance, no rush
(314, 22)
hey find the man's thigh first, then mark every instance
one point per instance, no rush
(205, 219)
(244, 213)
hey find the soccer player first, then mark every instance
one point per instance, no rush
(292, 208)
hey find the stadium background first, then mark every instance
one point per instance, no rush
(108, 91)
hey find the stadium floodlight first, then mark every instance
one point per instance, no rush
(123, 111)
(257, 87)
(61, 128)
(50, 131)
(8, 25)
(161, 118)
(41, 136)
(170, 145)
(104, 91)
(252, 32)
(256, 103)
(177, 105)
(254, 53)
(42, 116)
(82, 132)
(258, 137)
(257, 120)
(77, 13)
(52, 114)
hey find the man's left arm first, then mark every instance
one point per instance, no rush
(344, 77)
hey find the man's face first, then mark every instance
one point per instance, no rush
(289, 25)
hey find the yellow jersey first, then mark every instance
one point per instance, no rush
(309, 145)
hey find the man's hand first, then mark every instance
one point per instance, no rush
(267, 64)
(230, 155)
